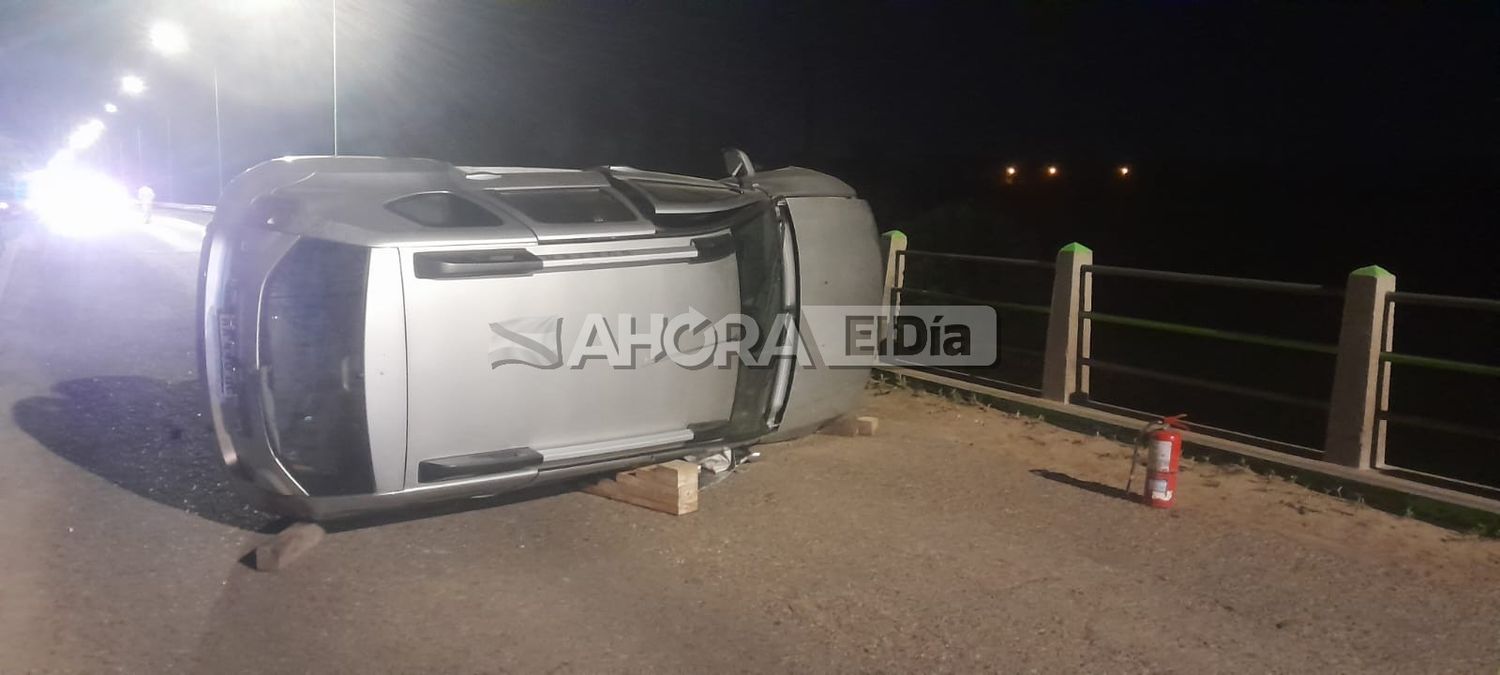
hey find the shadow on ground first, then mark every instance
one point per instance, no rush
(156, 439)
(150, 437)
(1091, 486)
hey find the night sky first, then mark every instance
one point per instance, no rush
(1245, 123)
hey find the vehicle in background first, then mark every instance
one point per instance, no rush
(75, 200)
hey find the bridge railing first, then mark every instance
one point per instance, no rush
(1022, 380)
(1352, 413)
(1082, 391)
(1385, 418)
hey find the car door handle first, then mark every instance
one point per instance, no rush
(713, 248)
(468, 264)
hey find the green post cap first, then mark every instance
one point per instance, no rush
(894, 234)
(1076, 247)
(1371, 271)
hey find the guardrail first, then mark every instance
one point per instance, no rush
(1080, 391)
(204, 208)
(1356, 411)
(1388, 357)
(897, 294)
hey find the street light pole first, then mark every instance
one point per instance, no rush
(335, 4)
(140, 169)
(134, 86)
(168, 39)
(218, 132)
(171, 160)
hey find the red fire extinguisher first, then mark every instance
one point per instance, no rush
(1162, 441)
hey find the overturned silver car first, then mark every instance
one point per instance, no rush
(381, 332)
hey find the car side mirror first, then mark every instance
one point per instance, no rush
(737, 165)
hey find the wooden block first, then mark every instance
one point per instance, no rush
(850, 425)
(843, 426)
(670, 488)
(287, 546)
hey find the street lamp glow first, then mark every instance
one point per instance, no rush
(1124, 171)
(168, 39)
(1052, 170)
(111, 108)
(132, 85)
(1010, 171)
(85, 135)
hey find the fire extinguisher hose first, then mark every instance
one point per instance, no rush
(1135, 452)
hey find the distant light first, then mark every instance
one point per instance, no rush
(168, 39)
(132, 85)
(85, 135)
(111, 108)
(1124, 171)
(1010, 170)
(77, 201)
(1052, 170)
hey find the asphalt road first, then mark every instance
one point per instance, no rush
(957, 540)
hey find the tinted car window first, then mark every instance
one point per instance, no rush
(683, 194)
(581, 205)
(443, 209)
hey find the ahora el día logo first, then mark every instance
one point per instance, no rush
(832, 336)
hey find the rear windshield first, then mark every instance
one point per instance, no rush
(573, 205)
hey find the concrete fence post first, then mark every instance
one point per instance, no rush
(893, 245)
(1359, 376)
(1071, 295)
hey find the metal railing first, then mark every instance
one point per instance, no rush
(1214, 280)
(1355, 412)
(1389, 357)
(1000, 306)
(995, 260)
(1086, 362)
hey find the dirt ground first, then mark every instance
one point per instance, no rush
(1228, 493)
(958, 539)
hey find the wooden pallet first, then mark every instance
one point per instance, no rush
(670, 488)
